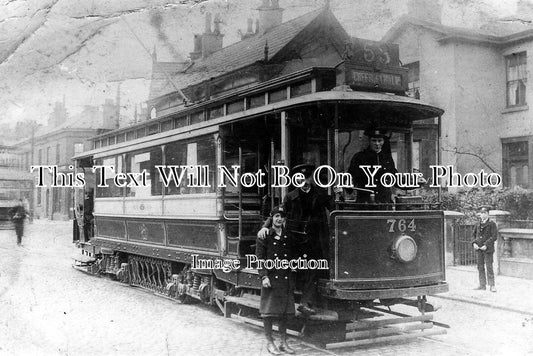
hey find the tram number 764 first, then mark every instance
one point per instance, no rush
(401, 225)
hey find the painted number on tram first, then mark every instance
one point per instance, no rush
(401, 225)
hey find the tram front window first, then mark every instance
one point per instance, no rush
(391, 152)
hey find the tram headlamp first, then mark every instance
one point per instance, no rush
(404, 248)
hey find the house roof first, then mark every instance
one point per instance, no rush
(163, 74)
(502, 31)
(234, 56)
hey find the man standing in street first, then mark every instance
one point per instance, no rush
(18, 214)
(484, 236)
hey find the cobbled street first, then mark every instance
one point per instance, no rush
(49, 308)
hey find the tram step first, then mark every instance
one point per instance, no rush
(83, 258)
(391, 330)
(369, 324)
(260, 324)
(392, 338)
(253, 301)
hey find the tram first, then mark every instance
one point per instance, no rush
(147, 235)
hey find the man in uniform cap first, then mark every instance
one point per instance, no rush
(307, 221)
(484, 235)
(377, 153)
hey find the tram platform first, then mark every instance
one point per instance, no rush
(513, 294)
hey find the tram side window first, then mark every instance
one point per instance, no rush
(175, 155)
(113, 166)
(206, 155)
(200, 152)
(144, 162)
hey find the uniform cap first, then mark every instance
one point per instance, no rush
(377, 133)
(306, 169)
(484, 208)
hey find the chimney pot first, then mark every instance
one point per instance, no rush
(208, 22)
(270, 15)
(217, 23)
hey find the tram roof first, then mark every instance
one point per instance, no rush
(370, 105)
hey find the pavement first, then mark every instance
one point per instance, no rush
(513, 294)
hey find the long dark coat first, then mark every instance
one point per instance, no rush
(485, 234)
(307, 211)
(279, 299)
(371, 158)
(18, 214)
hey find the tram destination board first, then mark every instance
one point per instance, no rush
(373, 65)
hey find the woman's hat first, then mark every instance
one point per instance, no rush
(278, 210)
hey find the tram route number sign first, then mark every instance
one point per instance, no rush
(373, 65)
(372, 53)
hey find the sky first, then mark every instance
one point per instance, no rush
(81, 50)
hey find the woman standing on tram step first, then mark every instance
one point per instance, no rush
(277, 292)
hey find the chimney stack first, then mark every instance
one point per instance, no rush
(270, 15)
(427, 10)
(249, 29)
(208, 42)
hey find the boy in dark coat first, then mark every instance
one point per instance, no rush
(277, 292)
(484, 235)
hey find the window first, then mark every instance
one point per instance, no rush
(256, 101)
(516, 164)
(78, 148)
(180, 121)
(516, 79)
(130, 135)
(153, 129)
(413, 80)
(112, 190)
(300, 89)
(145, 161)
(197, 117)
(48, 154)
(277, 95)
(235, 106)
(40, 157)
(167, 125)
(199, 152)
(215, 112)
(58, 154)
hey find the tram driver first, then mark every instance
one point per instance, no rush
(307, 221)
(378, 153)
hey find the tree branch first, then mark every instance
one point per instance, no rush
(456, 151)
